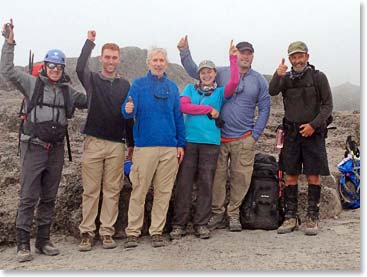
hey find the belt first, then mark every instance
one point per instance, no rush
(247, 134)
(48, 146)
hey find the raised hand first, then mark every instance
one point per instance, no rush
(10, 28)
(183, 43)
(232, 48)
(129, 108)
(92, 35)
(282, 68)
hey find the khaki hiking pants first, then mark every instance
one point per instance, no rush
(157, 166)
(102, 169)
(239, 155)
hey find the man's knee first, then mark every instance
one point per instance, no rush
(291, 180)
(313, 179)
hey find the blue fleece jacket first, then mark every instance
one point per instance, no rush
(158, 119)
(239, 112)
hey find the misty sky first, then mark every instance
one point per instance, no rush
(331, 29)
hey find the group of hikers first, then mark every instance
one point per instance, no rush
(204, 135)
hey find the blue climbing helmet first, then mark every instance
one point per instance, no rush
(55, 56)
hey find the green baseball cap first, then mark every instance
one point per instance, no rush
(297, 47)
(206, 64)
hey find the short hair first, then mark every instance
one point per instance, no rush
(111, 46)
(154, 50)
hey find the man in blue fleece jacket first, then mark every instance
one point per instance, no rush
(159, 137)
(239, 134)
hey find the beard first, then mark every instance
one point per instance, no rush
(299, 67)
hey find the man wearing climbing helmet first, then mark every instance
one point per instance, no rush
(49, 104)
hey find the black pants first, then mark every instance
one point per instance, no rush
(40, 177)
(200, 161)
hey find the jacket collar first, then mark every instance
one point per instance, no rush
(118, 76)
(155, 77)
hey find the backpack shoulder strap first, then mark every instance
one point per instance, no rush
(315, 80)
(66, 95)
(37, 95)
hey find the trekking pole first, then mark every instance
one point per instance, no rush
(30, 62)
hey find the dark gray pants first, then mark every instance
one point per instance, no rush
(40, 177)
(200, 161)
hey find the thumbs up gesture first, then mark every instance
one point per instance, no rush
(129, 107)
(282, 68)
(183, 43)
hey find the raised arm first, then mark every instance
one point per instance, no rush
(82, 68)
(277, 81)
(235, 75)
(186, 59)
(24, 82)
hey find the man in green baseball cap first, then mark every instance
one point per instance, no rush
(297, 47)
(308, 106)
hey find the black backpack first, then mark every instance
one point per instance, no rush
(45, 131)
(261, 208)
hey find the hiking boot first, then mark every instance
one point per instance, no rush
(43, 244)
(108, 242)
(202, 232)
(86, 243)
(24, 254)
(23, 246)
(216, 221)
(289, 225)
(131, 242)
(234, 224)
(313, 210)
(177, 232)
(158, 241)
(312, 226)
(47, 248)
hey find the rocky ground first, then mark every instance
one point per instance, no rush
(336, 247)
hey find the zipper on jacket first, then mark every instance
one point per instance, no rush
(54, 103)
